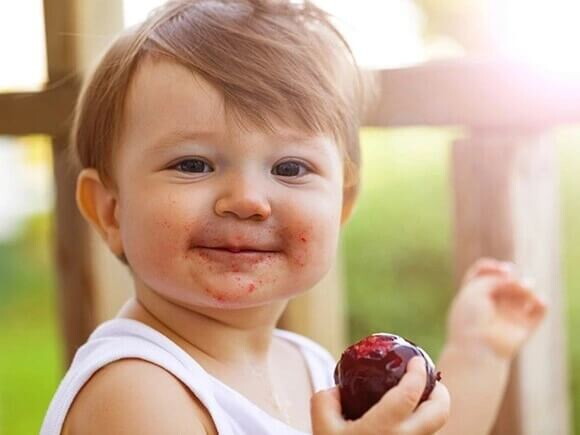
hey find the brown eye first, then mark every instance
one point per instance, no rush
(192, 165)
(289, 169)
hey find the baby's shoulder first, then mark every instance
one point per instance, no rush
(136, 396)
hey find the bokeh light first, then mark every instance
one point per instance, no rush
(544, 33)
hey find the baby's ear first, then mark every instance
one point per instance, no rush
(99, 206)
(346, 213)
(349, 197)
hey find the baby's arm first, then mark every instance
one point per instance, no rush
(490, 319)
(132, 396)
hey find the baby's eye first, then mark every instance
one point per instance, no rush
(192, 165)
(290, 169)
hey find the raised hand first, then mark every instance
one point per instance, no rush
(494, 310)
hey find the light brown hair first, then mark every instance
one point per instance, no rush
(270, 59)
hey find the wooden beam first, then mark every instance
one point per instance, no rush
(488, 94)
(506, 206)
(46, 112)
(476, 93)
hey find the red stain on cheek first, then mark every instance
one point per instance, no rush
(301, 251)
(269, 258)
(300, 262)
(251, 287)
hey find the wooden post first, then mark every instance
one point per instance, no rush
(75, 291)
(74, 37)
(98, 23)
(74, 276)
(112, 279)
(319, 313)
(507, 206)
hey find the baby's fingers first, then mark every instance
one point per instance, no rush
(325, 410)
(399, 402)
(536, 310)
(489, 266)
(431, 415)
(519, 300)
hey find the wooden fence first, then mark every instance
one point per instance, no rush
(504, 179)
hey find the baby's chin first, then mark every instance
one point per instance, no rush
(245, 292)
(245, 287)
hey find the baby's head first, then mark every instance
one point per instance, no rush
(265, 97)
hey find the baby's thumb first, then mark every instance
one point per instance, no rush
(325, 411)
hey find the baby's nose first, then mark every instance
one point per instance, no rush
(243, 200)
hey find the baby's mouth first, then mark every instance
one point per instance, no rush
(238, 248)
(235, 250)
(227, 255)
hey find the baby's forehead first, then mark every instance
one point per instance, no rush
(168, 89)
(242, 139)
(167, 101)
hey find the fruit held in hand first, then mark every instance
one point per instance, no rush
(368, 369)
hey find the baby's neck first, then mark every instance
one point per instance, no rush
(233, 337)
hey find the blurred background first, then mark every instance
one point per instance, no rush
(397, 248)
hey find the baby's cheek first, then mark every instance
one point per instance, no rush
(309, 246)
(153, 247)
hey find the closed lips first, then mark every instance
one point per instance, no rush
(238, 250)
(241, 248)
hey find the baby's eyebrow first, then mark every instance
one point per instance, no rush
(306, 140)
(176, 137)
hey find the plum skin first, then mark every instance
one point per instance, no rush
(372, 366)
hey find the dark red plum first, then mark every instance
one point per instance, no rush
(371, 367)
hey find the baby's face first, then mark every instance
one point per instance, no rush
(193, 187)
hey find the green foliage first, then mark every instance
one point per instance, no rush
(396, 246)
(25, 262)
(30, 362)
(569, 141)
(30, 374)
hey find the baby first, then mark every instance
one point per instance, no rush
(265, 98)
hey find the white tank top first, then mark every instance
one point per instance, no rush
(232, 413)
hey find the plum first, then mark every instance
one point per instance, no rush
(371, 367)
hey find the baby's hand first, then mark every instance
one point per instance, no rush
(396, 412)
(494, 310)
